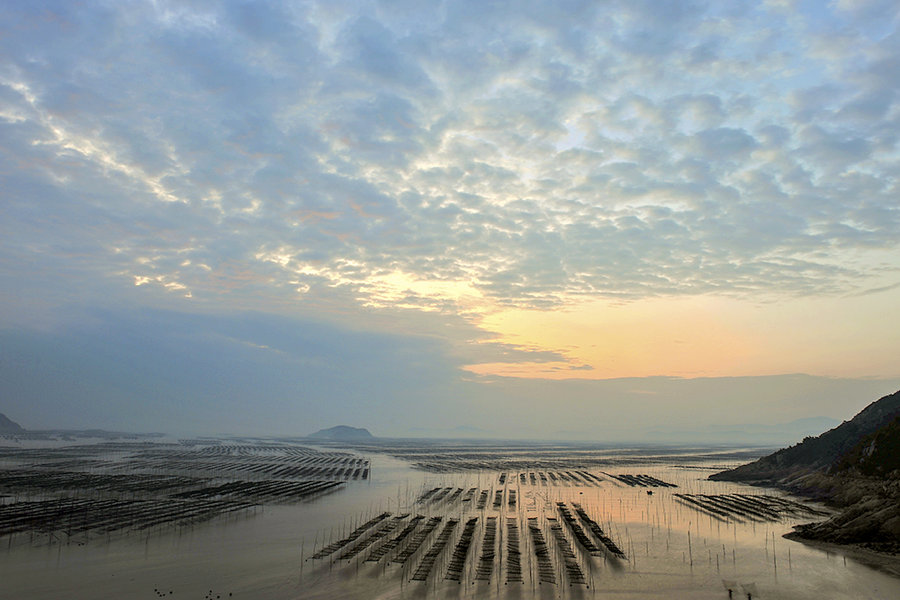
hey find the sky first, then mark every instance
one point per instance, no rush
(622, 221)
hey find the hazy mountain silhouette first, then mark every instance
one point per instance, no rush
(9, 426)
(342, 433)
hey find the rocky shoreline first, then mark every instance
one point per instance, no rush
(853, 469)
(868, 510)
(866, 525)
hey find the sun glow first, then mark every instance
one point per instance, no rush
(675, 337)
(698, 336)
(399, 289)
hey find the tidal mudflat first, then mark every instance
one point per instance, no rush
(285, 519)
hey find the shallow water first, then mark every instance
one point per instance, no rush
(673, 551)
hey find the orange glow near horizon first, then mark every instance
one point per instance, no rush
(700, 336)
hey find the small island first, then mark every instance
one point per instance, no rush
(342, 433)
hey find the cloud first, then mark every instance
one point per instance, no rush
(724, 142)
(251, 373)
(247, 372)
(348, 157)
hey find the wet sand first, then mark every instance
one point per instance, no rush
(886, 563)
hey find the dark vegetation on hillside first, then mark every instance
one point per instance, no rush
(824, 452)
(854, 467)
(876, 455)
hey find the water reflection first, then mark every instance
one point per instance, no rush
(516, 533)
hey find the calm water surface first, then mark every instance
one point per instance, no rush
(673, 551)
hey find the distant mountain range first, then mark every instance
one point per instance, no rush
(757, 434)
(460, 431)
(342, 433)
(9, 426)
(855, 467)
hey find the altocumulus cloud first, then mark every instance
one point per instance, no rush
(532, 151)
(340, 157)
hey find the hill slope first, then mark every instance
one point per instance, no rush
(818, 453)
(9, 426)
(876, 455)
(855, 467)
